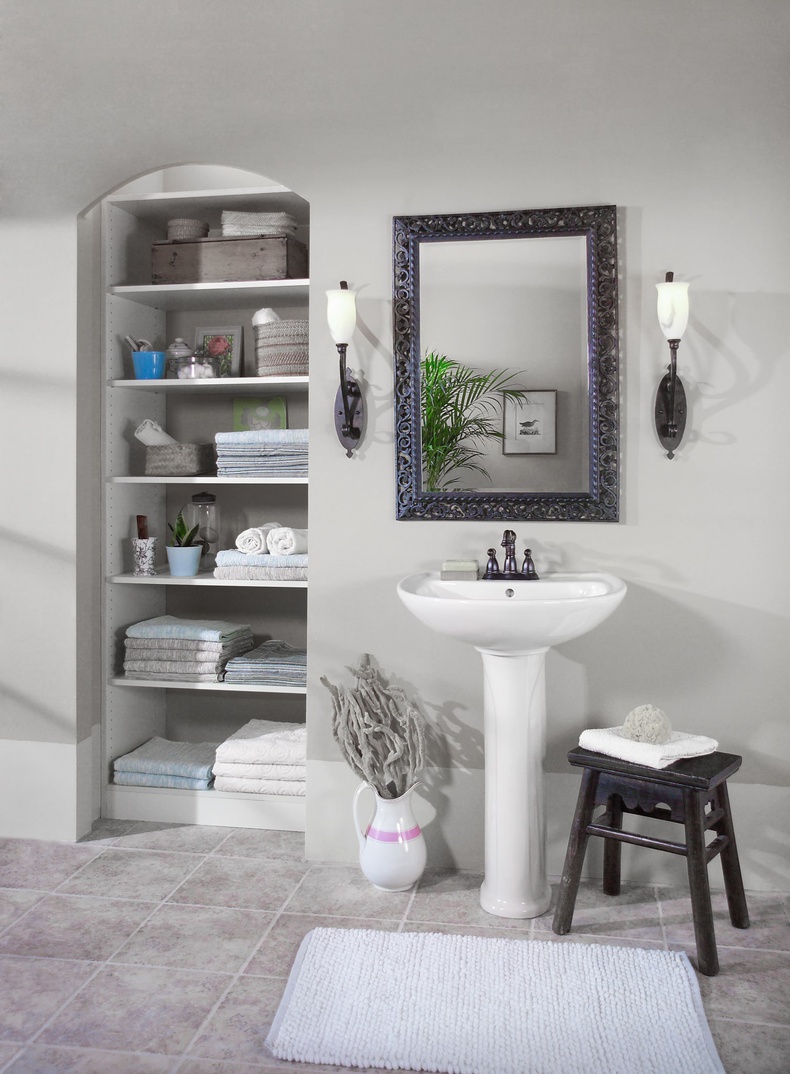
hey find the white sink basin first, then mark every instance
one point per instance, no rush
(512, 625)
(511, 617)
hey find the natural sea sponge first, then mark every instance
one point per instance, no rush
(647, 724)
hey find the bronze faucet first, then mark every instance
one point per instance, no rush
(510, 571)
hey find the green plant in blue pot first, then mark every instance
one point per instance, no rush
(183, 554)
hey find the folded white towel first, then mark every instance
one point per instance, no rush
(152, 434)
(263, 741)
(253, 540)
(612, 742)
(289, 772)
(259, 786)
(284, 541)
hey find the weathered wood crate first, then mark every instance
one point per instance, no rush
(221, 260)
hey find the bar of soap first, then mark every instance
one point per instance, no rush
(455, 570)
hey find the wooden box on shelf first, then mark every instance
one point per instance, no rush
(220, 260)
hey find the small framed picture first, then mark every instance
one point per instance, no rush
(267, 412)
(224, 344)
(529, 423)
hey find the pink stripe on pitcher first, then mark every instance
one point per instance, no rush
(393, 837)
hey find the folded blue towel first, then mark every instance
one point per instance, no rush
(150, 779)
(161, 756)
(168, 626)
(231, 557)
(264, 436)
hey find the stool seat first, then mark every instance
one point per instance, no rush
(691, 792)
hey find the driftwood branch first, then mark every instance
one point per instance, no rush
(380, 733)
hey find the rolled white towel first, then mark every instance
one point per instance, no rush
(265, 316)
(253, 540)
(284, 541)
(152, 434)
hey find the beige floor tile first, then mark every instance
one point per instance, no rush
(212, 938)
(272, 845)
(77, 927)
(768, 928)
(31, 990)
(107, 830)
(454, 899)
(632, 914)
(237, 1029)
(184, 838)
(246, 883)
(14, 902)
(342, 891)
(40, 1059)
(41, 866)
(751, 986)
(276, 954)
(752, 1049)
(132, 874)
(137, 1008)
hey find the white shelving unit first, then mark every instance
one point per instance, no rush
(136, 709)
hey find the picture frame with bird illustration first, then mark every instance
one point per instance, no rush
(529, 423)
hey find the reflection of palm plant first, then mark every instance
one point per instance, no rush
(460, 410)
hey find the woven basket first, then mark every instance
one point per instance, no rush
(179, 460)
(186, 229)
(281, 348)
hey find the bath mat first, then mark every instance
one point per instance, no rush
(474, 1005)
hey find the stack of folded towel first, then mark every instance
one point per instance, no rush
(187, 650)
(265, 553)
(274, 663)
(263, 758)
(270, 225)
(262, 453)
(162, 763)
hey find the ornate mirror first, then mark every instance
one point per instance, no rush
(506, 365)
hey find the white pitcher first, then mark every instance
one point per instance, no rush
(392, 851)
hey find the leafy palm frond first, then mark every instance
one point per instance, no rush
(460, 412)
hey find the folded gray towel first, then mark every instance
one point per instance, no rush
(163, 756)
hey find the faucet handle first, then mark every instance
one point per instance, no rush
(492, 567)
(528, 568)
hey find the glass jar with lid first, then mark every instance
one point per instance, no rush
(203, 512)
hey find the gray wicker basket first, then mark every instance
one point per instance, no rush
(281, 348)
(179, 460)
(184, 228)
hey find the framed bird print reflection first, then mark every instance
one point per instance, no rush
(529, 423)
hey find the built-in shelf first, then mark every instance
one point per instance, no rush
(224, 808)
(164, 577)
(160, 206)
(198, 296)
(208, 479)
(221, 687)
(219, 385)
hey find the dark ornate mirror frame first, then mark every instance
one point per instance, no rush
(598, 223)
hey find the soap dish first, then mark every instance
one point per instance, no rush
(463, 570)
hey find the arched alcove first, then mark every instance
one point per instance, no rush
(117, 298)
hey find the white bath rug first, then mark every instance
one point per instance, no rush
(472, 1005)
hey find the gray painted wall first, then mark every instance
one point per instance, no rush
(675, 112)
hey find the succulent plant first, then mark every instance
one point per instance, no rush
(183, 536)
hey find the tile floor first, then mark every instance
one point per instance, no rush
(163, 949)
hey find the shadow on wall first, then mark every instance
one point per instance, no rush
(711, 665)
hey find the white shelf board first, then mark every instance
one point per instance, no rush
(221, 687)
(196, 296)
(219, 385)
(208, 479)
(161, 206)
(164, 577)
(171, 805)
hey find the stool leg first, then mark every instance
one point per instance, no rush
(574, 856)
(612, 847)
(730, 862)
(702, 912)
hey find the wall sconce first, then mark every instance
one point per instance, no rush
(673, 315)
(341, 314)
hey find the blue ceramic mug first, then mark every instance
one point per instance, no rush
(148, 365)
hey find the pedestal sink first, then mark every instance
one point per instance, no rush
(513, 625)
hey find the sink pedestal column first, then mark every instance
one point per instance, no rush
(515, 883)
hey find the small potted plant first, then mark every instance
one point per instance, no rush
(183, 554)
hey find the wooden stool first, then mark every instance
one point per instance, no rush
(679, 793)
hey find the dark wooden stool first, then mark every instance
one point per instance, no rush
(679, 793)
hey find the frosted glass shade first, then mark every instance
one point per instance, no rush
(341, 314)
(673, 308)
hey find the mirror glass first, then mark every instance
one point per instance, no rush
(527, 301)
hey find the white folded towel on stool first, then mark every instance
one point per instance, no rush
(612, 742)
(284, 541)
(152, 434)
(253, 540)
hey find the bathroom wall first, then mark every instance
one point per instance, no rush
(674, 112)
